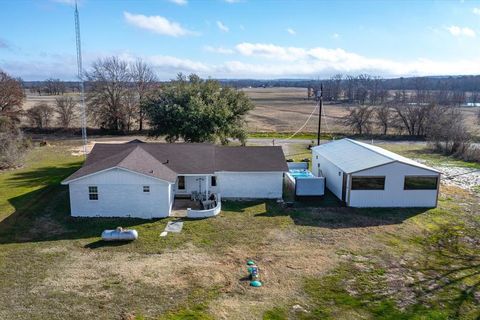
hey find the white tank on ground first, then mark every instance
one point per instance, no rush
(119, 234)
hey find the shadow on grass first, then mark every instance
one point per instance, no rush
(341, 217)
(102, 244)
(452, 271)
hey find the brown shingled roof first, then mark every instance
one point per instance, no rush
(132, 158)
(167, 160)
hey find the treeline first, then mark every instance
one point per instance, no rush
(373, 90)
(430, 83)
(122, 97)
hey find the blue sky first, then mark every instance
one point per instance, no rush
(244, 38)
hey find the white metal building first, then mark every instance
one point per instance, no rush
(364, 175)
(143, 179)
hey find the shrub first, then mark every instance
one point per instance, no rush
(13, 145)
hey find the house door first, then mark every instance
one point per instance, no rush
(344, 187)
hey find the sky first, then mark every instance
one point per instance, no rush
(255, 39)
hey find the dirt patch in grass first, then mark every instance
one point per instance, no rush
(176, 270)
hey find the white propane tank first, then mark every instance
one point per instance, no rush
(119, 234)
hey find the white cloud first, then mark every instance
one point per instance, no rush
(169, 66)
(176, 65)
(222, 27)
(301, 62)
(476, 11)
(291, 31)
(67, 2)
(251, 60)
(220, 50)
(459, 31)
(179, 2)
(157, 24)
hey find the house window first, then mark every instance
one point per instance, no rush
(146, 188)
(93, 192)
(368, 183)
(181, 183)
(213, 181)
(420, 183)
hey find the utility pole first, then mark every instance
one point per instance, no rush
(320, 102)
(80, 79)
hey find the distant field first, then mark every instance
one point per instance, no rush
(285, 110)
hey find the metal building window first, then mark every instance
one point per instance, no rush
(93, 192)
(368, 183)
(213, 181)
(146, 188)
(420, 183)
(181, 183)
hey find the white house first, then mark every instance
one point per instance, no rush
(142, 180)
(363, 175)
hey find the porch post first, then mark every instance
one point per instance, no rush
(206, 187)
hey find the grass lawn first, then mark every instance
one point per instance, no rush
(316, 262)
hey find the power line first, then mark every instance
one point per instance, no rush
(80, 80)
(303, 126)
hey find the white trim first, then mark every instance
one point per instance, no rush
(194, 174)
(236, 172)
(64, 182)
(398, 161)
(316, 150)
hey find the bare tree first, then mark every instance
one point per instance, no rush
(54, 87)
(108, 93)
(13, 145)
(144, 80)
(413, 117)
(447, 132)
(383, 115)
(40, 115)
(359, 119)
(65, 107)
(475, 98)
(11, 95)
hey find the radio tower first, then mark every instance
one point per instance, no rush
(80, 81)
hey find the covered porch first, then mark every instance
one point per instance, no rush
(195, 187)
(196, 208)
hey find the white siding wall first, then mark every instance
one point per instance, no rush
(191, 184)
(120, 194)
(393, 195)
(333, 174)
(260, 185)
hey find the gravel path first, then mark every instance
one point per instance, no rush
(466, 178)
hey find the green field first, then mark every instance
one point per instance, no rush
(317, 262)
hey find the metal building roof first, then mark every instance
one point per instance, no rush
(353, 156)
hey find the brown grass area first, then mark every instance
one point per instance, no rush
(282, 110)
(287, 109)
(286, 255)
